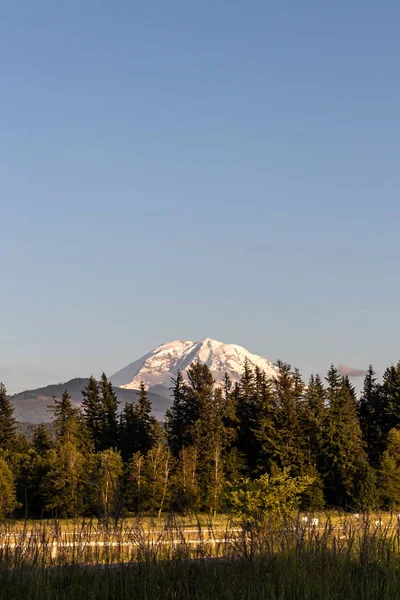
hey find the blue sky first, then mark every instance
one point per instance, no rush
(180, 170)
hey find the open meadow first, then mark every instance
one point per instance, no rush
(336, 556)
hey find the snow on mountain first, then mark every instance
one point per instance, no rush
(158, 367)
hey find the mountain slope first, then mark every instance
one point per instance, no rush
(158, 367)
(32, 406)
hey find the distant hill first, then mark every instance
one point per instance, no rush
(31, 406)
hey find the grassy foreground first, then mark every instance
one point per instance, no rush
(344, 560)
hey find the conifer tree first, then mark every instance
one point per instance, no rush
(41, 440)
(373, 412)
(66, 422)
(128, 431)
(391, 398)
(288, 389)
(145, 421)
(265, 425)
(314, 419)
(344, 453)
(93, 411)
(247, 415)
(108, 438)
(137, 426)
(7, 420)
(176, 424)
(199, 397)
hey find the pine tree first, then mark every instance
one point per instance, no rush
(314, 419)
(41, 440)
(176, 424)
(264, 426)
(128, 431)
(247, 411)
(137, 426)
(93, 411)
(65, 419)
(145, 421)
(373, 412)
(7, 421)
(391, 398)
(344, 455)
(288, 389)
(108, 437)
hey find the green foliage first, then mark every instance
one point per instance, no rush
(343, 448)
(223, 447)
(106, 479)
(176, 422)
(277, 495)
(389, 472)
(66, 421)
(42, 441)
(92, 407)
(109, 414)
(7, 421)
(65, 481)
(8, 499)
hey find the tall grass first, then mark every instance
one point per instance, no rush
(344, 559)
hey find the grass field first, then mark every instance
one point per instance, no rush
(340, 558)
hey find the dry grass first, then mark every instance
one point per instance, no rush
(343, 557)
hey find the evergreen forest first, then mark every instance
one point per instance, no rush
(106, 461)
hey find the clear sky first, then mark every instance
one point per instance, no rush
(180, 170)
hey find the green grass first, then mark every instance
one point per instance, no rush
(342, 559)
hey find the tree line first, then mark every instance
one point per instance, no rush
(216, 439)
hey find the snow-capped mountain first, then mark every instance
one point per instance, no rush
(157, 367)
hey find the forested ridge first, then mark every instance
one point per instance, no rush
(100, 461)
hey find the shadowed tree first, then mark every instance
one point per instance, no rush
(7, 420)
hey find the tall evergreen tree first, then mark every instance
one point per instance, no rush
(93, 411)
(264, 424)
(176, 424)
(373, 410)
(66, 423)
(128, 431)
(344, 455)
(41, 440)
(137, 426)
(145, 421)
(314, 420)
(288, 390)
(109, 402)
(247, 410)
(7, 420)
(391, 398)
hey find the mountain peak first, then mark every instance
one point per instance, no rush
(159, 366)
